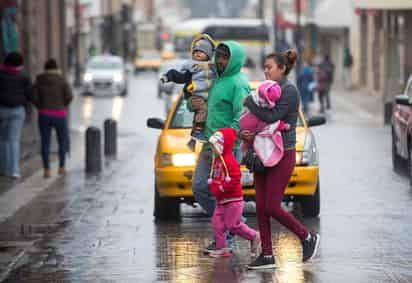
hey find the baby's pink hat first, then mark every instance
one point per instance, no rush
(270, 91)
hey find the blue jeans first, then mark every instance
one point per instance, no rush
(11, 125)
(46, 124)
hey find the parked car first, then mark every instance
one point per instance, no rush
(147, 60)
(402, 130)
(175, 164)
(105, 75)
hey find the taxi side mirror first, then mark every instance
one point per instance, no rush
(155, 123)
(403, 100)
(316, 121)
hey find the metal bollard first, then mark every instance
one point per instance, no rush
(110, 138)
(93, 150)
(387, 112)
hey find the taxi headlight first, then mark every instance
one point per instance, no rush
(309, 156)
(178, 160)
(184, 159)
(88, 77)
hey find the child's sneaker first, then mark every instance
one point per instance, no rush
(255, 245)
(199, 136)
(220, 253)
(192, 145)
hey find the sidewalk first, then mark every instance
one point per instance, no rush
(358, 101)
(16, 194)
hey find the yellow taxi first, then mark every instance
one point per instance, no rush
(147, 61)
(175, 164)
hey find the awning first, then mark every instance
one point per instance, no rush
(383, 4)
(334, 14)
(288, 20)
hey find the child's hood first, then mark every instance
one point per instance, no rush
(203, 36)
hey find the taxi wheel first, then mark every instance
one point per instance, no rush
(311, 204)
(166, 208)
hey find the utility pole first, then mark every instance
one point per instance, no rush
(260, 10)
(275, 25)
(77, 80)
(298, 35)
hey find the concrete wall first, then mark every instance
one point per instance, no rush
(382, 49)
(42, 36)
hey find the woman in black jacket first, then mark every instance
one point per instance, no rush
(15, 91)
(272, 182)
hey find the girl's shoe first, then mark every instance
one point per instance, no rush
(47, 173)
(220, 253)
(255, 245)
(62, 171)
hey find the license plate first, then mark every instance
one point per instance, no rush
(247, 179)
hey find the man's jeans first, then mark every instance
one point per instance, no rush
(11, 125)
(200, 187)
(46, 124)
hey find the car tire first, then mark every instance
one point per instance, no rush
(311, 204)
(397, 161)
(410, 163)
(165, 208)
(125, 92)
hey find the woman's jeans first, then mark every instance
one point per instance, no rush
(270, 186)
(11, 125)
(46, 124)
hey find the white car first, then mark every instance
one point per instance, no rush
(105, 75)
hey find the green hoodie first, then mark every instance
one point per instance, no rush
(225, 101)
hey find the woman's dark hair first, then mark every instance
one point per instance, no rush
(13, 59)
(287, 59)
(50, 64)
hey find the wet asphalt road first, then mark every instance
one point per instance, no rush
(101, 229)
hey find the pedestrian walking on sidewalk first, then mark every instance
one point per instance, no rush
(15, 91)
(347, 68)
(226, 187)
(305, 82)
(329, 69)
(224, 107)
(321, 87)
(272, 182)
(52, 95)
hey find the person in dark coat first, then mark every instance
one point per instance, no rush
(52, 96)
(15, 91)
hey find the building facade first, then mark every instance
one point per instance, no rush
(37, 30)
(382, 46)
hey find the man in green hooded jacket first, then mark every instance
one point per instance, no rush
(225, 103)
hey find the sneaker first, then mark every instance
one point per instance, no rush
(310, 247)
(220, 253)
(255, 245)
(262, 262)
(15, 176)
(199, 136)
(210, 248)
(192, 145)
(62, 171)
(46, 173)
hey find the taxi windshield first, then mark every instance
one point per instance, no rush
(183, 118)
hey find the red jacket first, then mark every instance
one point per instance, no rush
(225, 177)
